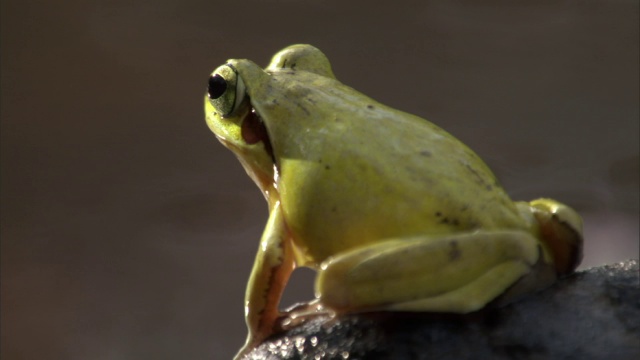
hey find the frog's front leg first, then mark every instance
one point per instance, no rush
(273, 265)
(457, 273)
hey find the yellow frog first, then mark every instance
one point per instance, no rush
(392, 212)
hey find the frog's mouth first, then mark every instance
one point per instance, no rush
(254, 131)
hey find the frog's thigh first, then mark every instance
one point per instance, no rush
(459, 273)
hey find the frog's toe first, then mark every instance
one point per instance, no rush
(300, 313)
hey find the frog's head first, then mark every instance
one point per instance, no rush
(243, 102)
(231, 117)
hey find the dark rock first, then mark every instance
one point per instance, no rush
(592, 314)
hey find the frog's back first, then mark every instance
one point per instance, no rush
(372, 172)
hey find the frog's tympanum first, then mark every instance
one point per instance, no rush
(393, 213)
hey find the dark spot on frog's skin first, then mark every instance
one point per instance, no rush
(334, 209)
(370, 107)
(284, 65)
(464, 208)
(426, 153)
(292, 67)
(479, 179)
(326, 166)
(446, 220)
(454, 251)
(304, 109)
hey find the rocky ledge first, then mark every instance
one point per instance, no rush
(592, 314)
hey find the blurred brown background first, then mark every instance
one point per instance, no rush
(128, 232)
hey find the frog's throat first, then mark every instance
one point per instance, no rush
(254, 131)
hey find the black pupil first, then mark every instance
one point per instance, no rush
(217, 86)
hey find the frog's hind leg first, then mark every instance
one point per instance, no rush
(459, 273)
(561, 232)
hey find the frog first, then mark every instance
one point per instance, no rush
(391, 211)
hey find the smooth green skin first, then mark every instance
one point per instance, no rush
(393, 212)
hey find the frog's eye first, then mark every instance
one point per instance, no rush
(226, 90)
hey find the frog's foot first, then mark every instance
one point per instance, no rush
(459, 273)
(300, 313)
(286, 320)
(249, 345)
(561, 232)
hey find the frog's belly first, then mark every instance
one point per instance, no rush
(328, 214)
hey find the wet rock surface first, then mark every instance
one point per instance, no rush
(593, 314)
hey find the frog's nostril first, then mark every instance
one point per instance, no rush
(217, 86)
